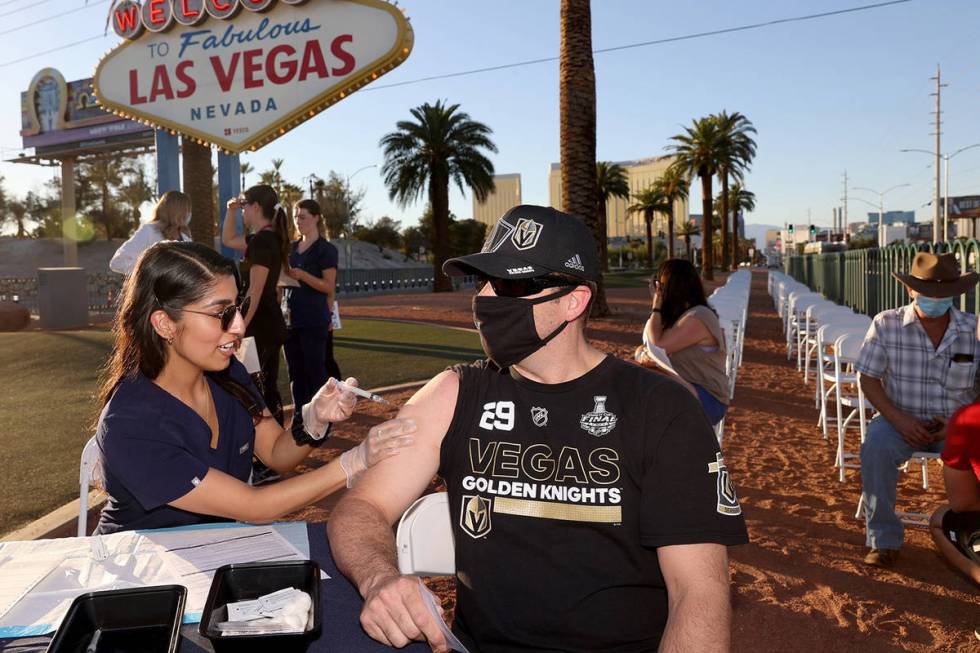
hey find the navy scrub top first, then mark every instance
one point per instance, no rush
(155, 449)
(308, 307)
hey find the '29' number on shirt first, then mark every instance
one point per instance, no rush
(498, 415)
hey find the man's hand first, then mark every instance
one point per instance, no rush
(395, 614)
(938, 431)
(911, 429)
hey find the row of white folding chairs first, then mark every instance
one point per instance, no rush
(731, 302)
(805, 313)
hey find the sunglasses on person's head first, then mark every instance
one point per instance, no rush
(228, 313)
(521, 287)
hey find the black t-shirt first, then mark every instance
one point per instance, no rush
(559, 495)
(155, 449)
(307, 306)
(262, 249)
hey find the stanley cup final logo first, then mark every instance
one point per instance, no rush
(599, 421)
(727, 501)
(474, 516)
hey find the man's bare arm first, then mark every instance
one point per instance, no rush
(359, 529)
(699, 617)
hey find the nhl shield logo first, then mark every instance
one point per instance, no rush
(539, 416)
(526, 234)
(599, 421)
(474, 515)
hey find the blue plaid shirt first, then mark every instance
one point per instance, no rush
(922, 380)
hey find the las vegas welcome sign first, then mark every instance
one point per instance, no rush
(240, 73)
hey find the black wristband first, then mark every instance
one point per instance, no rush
(303, 439)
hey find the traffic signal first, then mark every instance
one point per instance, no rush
(790, 232)
(813, 232)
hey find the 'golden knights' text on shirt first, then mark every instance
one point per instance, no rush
(559, 497)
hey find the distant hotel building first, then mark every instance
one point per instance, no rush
(620, 222)
(505, 196)
(892, 217)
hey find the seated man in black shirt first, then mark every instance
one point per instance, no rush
(590, 504)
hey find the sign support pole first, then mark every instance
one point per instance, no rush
(68, 211)
(229, 186)
(168, 162)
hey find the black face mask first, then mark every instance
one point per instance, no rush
(506, 326)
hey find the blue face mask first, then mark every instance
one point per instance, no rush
(931, 307)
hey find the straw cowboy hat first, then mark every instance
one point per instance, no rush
(937, 276)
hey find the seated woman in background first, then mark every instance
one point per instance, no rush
(182, 419)
(683, 325)
(171, 217)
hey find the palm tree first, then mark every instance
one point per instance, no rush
(273, 176)
(673, 186)
(738, 152)
(440, 145)
(699, 152)
(740, 200)
(611, 181)
(246, 168)
(18, 212)
(649, 201)
(686, 230)
(198, 176)
(576, 89)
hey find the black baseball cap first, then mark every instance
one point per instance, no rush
(532, 241)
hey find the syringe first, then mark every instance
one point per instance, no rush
(364, 393)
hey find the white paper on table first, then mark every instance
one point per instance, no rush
(660, 357)
(335, 316)
(430, 602)
(192, 556)
(72, 571)
(248, 355)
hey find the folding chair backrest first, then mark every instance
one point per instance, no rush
(425, 538)
(848, 346)
(89, 473)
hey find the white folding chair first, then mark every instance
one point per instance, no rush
(817, 316)
(424, 538)
(849, 395)
(89, 473)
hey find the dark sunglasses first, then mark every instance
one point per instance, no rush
(228, 313)
(520, 287)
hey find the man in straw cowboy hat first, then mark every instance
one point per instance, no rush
(917, 366)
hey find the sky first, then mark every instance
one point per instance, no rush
(844, 92)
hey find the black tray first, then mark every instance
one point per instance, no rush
(145, 619)
(249, 581)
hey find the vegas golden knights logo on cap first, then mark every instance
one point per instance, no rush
(474, 517)
(526, 234)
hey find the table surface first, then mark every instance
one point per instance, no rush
(340, 604)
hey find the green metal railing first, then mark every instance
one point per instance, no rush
(862, 279)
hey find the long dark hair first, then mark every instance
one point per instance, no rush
(168, 276)
(681, 289)
(268, 199)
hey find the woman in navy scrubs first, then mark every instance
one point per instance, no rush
(182, 419)
(313, 264)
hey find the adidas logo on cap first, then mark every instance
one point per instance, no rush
(575, 263)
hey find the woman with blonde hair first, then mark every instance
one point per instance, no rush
(171, 215)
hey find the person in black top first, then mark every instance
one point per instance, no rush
(181, 418)
(313, 264)
(590, 504)
(266, 252)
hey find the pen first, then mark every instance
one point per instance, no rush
(93, 645)
(364, 393)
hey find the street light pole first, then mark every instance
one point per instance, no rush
(881, 209)
(350, 220)
(946, 158)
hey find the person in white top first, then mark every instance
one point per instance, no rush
(171, 216)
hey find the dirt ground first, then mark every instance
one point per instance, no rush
(800, 584)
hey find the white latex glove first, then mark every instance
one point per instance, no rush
(329, 404)
(383, 441)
